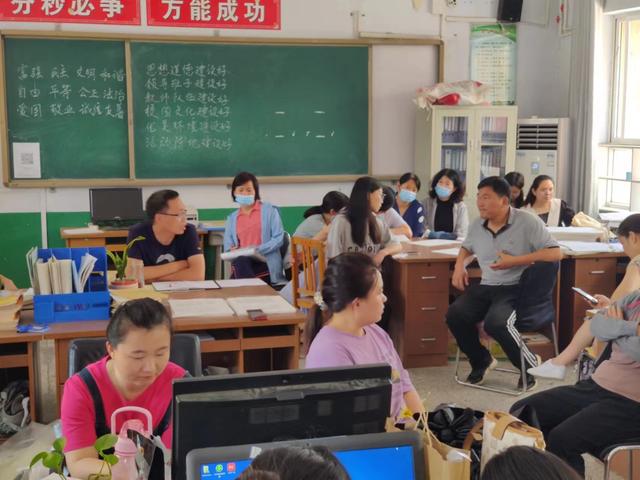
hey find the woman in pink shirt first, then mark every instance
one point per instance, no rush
(343, 330)
(136, 372)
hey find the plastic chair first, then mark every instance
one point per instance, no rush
(535, 313)
(185, 351)
(308, 263)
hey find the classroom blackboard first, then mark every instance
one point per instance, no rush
(203, 110)
(68, 96)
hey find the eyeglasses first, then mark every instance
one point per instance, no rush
(181, 215)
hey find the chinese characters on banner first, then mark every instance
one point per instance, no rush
(116, 12)
(249, 14)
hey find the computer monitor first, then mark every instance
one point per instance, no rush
(116, 206)
(274, 406)
(374, 456)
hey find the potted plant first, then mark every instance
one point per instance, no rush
(120, 262)
(53, 460)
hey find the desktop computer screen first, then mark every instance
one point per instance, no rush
(375, 456)
(275, 406)
(116, 206)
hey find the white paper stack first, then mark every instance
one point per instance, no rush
(182, 285)
(269, 304)
(590, 247)
(576, 234)
(86, 268)
(242, 252)
(200, 307)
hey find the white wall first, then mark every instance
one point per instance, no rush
(543, 86)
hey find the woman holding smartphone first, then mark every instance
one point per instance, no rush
(629, 236)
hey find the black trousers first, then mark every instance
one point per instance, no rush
(583, 418)
(247, 267)
(495, 306)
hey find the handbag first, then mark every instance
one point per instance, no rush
(502, 430)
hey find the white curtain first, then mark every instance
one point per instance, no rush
(587, 15)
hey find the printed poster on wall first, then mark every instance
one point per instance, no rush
(106, 12)
(246, 14)
(493, 61)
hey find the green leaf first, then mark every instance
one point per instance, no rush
(37, 458)
(59, 443)
(125, 253)
(105, 442)
(52, 460)
(110, 459)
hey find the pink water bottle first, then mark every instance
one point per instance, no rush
(125, 448)
(126, 468)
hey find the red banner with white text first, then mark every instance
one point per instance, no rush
(248, 14)
(109, 12)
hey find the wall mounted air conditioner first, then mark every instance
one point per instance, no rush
(542, 148)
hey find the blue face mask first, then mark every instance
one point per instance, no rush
(245, 199)
(443, 192)
(407, 195)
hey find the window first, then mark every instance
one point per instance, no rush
(620, 174)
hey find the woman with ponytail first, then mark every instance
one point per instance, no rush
(341, 329)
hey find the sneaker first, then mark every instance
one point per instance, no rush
(531, 383)
(549, 370)
(476, 377)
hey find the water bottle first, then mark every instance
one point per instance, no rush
(126, 468)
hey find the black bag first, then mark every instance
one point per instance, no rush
(451, 424)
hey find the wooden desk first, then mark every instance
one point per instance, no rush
(421, 289)
(16, 351)
(593, 273)
(241, 344)
(114, 240)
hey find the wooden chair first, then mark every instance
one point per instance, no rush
(308, 263)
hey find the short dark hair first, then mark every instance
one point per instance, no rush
(629, 224)
(531, 197)
(389, 198)
(497, 184)
(452, 175)
(516, 179)
(333, 200)
(241, 179)
(409, 176)
(528, 463)
(141, 313)
(157, 202)
(296, 463)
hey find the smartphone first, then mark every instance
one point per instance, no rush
(590, 298)
(256, 314)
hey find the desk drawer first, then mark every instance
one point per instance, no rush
(85, 242)
(429, 337)
(428, 277)
(596, 275)
(426, 306)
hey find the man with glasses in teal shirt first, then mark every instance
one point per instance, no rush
(170, 250)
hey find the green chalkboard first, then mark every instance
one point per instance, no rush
(69, 97)
(204, 110)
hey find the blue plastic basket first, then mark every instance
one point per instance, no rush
(92, 304)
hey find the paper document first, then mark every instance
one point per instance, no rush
(185, 285)
(269, 304)
(399, 238)
(241, 282)
(448, 251)
(81, 276)
(125, 294)
(26, 160)
(589, 247)
(32, 260)
(242, 252)
(42, 272)
(436, 242)
(81, 231)
(200, 307)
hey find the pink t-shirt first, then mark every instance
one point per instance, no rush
(249, 226)
(333, 348)
(78, 413)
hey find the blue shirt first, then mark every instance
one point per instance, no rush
(414, 216)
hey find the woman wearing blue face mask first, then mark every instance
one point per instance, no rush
(255, 224)
(447, 215)
(406, 204)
